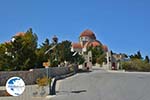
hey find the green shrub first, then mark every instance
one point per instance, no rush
(136, 65)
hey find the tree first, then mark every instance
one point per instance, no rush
(136, 56)
(101, 59)
(139, 56)
(64, 51)
(19, 54)
(146, 59)
(60, 53)
(5, 56)
(65, 54)
(55, 55)
(46, 43)
(98, 55)
(24, 50)
(40, 53)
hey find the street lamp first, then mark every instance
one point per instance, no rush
(53, 81)
(13, 39)
(74, 53)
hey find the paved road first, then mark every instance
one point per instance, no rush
(102, 85)
(97, 85)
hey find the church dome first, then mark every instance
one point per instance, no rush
(88, 33)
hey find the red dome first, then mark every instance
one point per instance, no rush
(88, 33)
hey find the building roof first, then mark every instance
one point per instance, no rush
(20, 34)
(88, 33)
(7, 42)
(105, 48)
(93, 43)
(76, 45)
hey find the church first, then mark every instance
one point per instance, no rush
(87, 38)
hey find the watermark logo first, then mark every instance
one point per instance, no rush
(15, 86)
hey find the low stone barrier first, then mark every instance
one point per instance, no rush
(31, 76)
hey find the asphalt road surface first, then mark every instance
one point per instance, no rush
(102, 85)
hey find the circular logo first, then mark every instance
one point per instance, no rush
(15, 86)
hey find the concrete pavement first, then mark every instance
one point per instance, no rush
(102, 85)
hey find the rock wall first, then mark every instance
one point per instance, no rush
(31, 76)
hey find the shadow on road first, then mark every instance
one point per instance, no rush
(78, 91)
(83, 71)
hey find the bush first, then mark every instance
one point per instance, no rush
(43, 81)
(136, 65)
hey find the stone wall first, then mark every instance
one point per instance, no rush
(31, 76)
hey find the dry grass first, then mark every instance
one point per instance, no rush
(43, 81)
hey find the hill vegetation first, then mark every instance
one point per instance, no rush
(137, 63)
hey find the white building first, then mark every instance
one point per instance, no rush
(114, 60)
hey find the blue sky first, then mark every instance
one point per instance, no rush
(123, 25)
